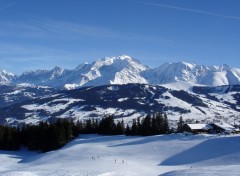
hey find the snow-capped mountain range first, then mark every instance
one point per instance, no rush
(124, 87)
(6, 77)
(122, 70)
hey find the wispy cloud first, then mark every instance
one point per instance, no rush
(75, 29)
(53, 29)
(30, 52)
(21, 30)
(49, 29)
(191, 10)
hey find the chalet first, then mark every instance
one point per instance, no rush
(197, 128)
(224, 128)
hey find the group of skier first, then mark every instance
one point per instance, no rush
(115, 160)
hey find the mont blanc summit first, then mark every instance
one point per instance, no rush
(125, 69)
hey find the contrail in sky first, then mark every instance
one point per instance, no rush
(191, 10)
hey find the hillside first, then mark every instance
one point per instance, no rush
(165, 155)
(128, 101)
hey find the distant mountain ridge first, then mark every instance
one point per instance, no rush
(6, 77)
(125, 69)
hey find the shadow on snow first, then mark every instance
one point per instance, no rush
(209, 149)
(163, 138)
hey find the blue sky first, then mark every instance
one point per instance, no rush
(42, 34)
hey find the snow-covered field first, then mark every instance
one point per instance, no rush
(94, 155)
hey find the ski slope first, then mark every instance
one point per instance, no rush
(94, 155)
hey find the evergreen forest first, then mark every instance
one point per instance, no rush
(47, 136)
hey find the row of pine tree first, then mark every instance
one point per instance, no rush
(51, 136)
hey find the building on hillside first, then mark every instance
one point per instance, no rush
(197, 128)
(224, 128)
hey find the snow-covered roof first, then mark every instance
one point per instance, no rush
(225, 126)
(199, 126)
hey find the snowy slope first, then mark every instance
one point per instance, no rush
(204, 104)
(115, 70)
(171, 72)
(6, 77)
(109, 70)
(10, 95)
(42, 77)
(166, 155)
(195, 74)
(125, 69)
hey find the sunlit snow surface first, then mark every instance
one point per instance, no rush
(93, 155)
(125, 69)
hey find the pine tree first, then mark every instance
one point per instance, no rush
(95, 124)
(154, 125)
(180, 125)
(159, 123)
(146, 129)
(77, 128)
(107, 126)
(165, 124)
(33, 142)
(9, 138)
(120, 129)
(134, 128)
(139, 127)
(68, 130)
(89, 126)
(128, 131)
(24, 135)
